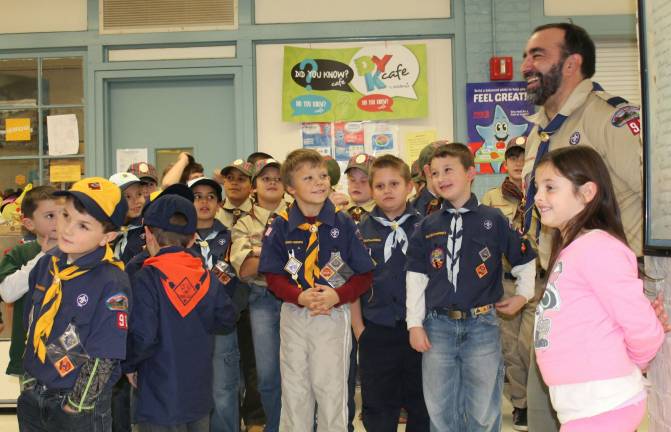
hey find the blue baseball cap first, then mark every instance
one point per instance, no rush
(160, 211)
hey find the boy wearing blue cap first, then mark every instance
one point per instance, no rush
(179, 305)
(76, 316)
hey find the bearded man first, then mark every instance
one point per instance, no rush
(559, 60)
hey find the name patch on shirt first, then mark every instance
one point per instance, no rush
(372, 240)
(435, 234)
(300, 242)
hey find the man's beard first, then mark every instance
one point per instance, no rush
(548, 84)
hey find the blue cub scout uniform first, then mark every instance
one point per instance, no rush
(96, 303)
(486, 237)
(131, 242)
(337, 234)
(384, 303)
(218, 241)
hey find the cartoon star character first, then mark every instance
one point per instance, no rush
(495, 137)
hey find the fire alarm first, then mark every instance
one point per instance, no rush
(501, 68)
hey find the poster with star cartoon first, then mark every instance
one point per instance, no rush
(496, 113)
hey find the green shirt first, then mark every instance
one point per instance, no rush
(13, 261)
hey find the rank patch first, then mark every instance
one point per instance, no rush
(438, 258)
(481, 270)
(64, 366)
(485, 254)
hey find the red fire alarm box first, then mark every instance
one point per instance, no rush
(501, 68)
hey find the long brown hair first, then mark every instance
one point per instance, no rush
(582, 164)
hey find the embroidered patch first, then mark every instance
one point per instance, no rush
(634, 126)
(481, 270)
(327, 272)
(221, 242)
(64, 366)
(293, 265)
(335, 232)
(523, 247)
(122, 320)
(575, 138)
(485, 254)
(624, 115)
(82, 300)
(488, 224)
(117, 302)
(94, 186)
(268, 231)
(438, 258)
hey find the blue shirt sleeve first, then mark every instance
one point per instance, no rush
(517, 250)
(144, 322)
(359, 258)
(417, 254)
(273, 251)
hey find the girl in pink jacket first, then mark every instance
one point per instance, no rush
(595, 330)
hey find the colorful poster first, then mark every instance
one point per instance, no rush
(381, 138)
(318, 136)
(349, 139)
(379, 82)
(496, 113)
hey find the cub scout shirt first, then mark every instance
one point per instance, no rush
(384, 303)
(96, 303)
(337, 234)
(485, 238)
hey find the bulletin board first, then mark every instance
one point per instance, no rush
(278, 138)
(655, 46)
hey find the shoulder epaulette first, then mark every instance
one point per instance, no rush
(614, 101)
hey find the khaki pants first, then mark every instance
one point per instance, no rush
(516, 343)
(314, 364)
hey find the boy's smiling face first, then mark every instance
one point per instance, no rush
(79, 233)
(451, 180)
(135, 197)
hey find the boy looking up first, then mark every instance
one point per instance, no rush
(454, 289)
(76, 316)
(313, 259)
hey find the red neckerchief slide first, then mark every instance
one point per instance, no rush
(184, 279)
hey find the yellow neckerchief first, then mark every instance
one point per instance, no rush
(310, 268)
(53, 296)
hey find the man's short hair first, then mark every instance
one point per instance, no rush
(390, 161)
(298, 158)
(576, 41)
(34, 197)
(455, 150)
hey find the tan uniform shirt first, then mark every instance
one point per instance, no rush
(359, 210)
(247, 234)
(230, 213)
(591, 122)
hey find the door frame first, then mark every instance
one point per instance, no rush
(100, 159)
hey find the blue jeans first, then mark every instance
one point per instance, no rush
(40, 410)
(264, 309)
(226, 384)
(462, 373)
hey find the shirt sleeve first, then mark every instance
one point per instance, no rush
(241, 245)
(613, 278)
(15, 285)
(417, 255)
(283, 288)
(622, 152)
(354, 287)
(517, 250)
(143, 338)
(109, 326)
(415, 303)
(359, 260)
(273, 251)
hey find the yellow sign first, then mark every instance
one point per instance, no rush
(20, 179)
(416, 141)
(67, 172)
(17, 129)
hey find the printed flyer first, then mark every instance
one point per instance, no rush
(380, 82)
(496, 113)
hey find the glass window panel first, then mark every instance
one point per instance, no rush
(62, 81)
(61, 173)
(18, 81)
(13, 143)
(18, 172)
(78, 112)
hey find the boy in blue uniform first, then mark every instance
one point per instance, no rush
(213, 241)
(178, 306)
(313, 259)
(454, 289)
(391, 371)
(130, 241)
(76, 316)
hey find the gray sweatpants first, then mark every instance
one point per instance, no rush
(314, 364)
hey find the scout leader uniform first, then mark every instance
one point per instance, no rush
(363, 162)
(454, 279)
(179, 306)
(229, 213)
(77, 318)
(391, 371)
(611, 126)
(314, 351)
(130, 240)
